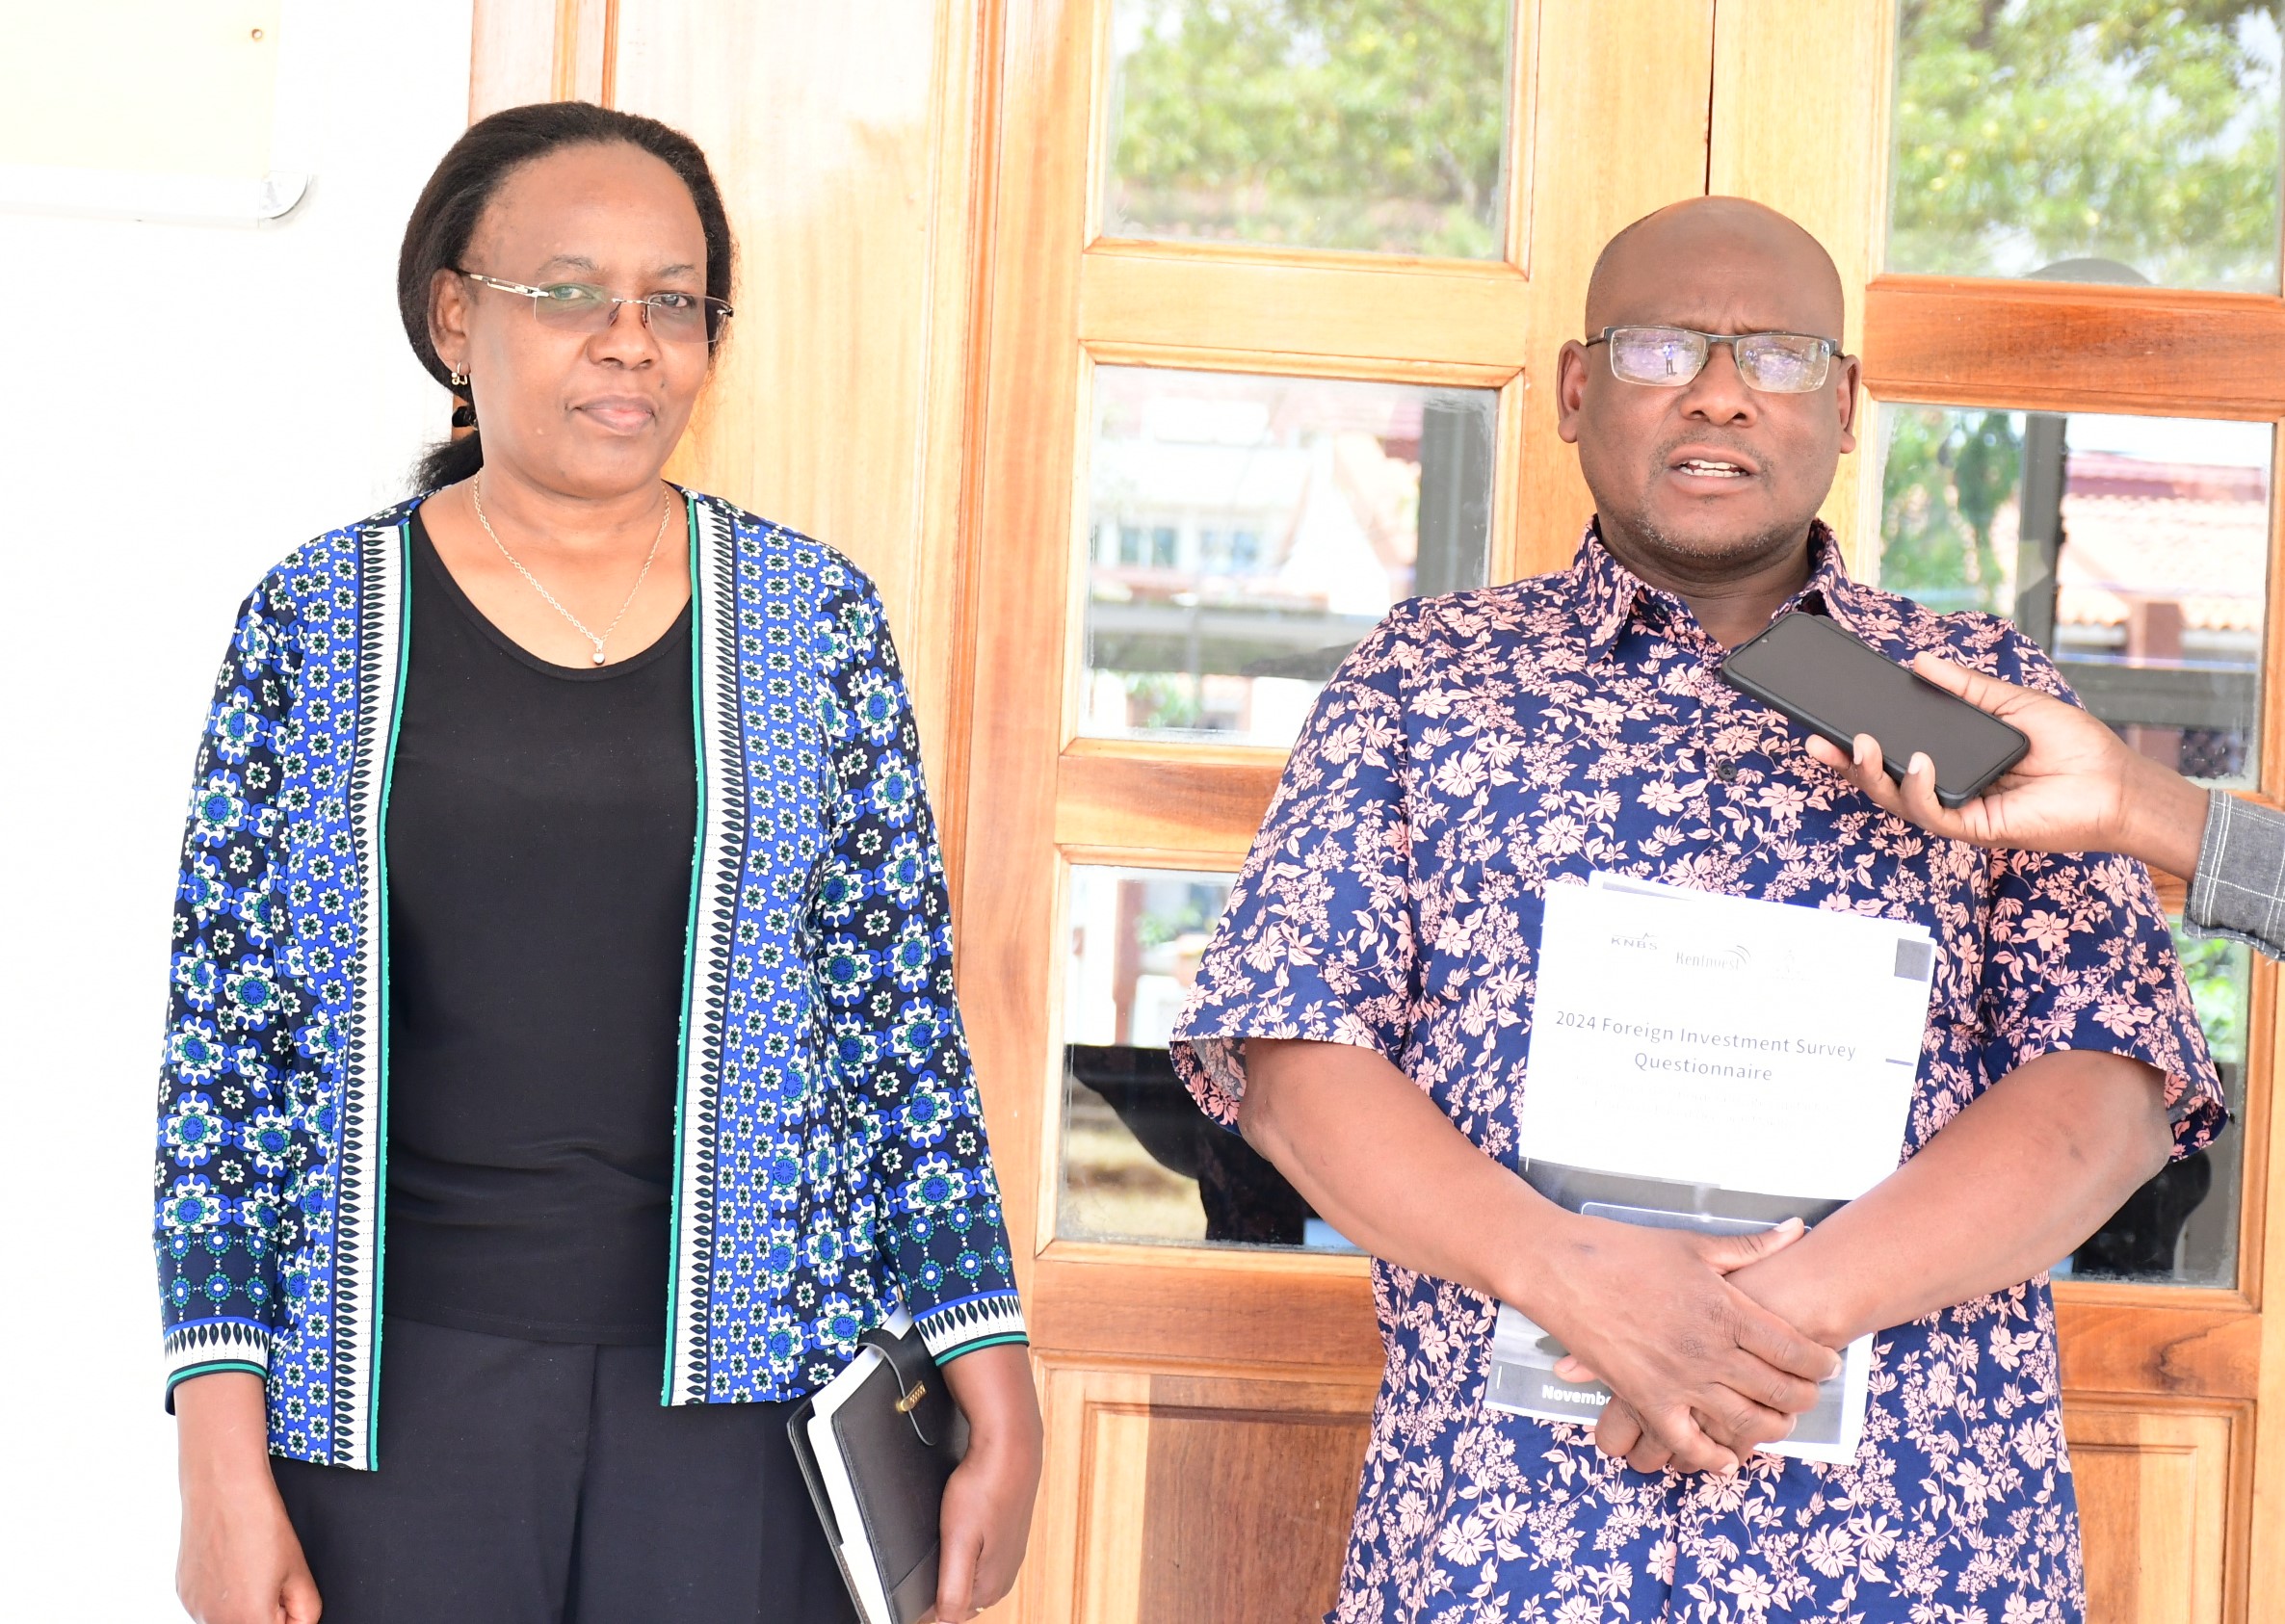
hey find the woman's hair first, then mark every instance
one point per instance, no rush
(471, 173)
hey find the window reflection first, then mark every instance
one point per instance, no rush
(1140, 1161)
(1365, 124)
(1246, 531)
(2181, 1228)
(2135, 549)
(2142, 139)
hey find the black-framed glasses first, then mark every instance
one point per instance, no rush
(1774, 363)
(680, 318)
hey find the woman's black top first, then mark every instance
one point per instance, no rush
(540, 829)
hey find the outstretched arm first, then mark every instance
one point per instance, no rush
(1650, 1307)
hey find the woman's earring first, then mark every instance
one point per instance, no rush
(460, 379)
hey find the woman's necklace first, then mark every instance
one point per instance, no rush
(477, 490)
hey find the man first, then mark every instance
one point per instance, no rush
(2080, 789)
(1364, 1016)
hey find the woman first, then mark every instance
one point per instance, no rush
(644, 1124)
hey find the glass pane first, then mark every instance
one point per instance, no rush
(2035, 134)
(2181, 1228)
(1368, 124)
(1140, 1161)
(1245, 531)
(2135, 549)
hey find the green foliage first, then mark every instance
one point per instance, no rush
(1947, 476)
(2026, 131)
(2219, 972)
(2145, 131)
(2029, 131)
(1195, 915)
(1370, 124)
(1163, 699)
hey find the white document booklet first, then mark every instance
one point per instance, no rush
(1717, 1064)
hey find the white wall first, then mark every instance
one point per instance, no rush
(182, 406)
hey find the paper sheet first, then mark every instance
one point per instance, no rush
(1713, 1064)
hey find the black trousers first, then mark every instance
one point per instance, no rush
(533, 1482)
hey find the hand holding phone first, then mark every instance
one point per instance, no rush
(1836, 686)
(2081, 788)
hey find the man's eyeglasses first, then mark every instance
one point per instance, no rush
(679, 318)
(1774, 363)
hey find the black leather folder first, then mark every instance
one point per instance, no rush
(894, 1441)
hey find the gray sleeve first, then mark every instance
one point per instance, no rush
(2238, 889)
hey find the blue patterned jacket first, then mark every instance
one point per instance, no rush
(830, 1147)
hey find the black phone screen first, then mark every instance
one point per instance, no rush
(1813, 671)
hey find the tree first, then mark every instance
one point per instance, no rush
(1945, 478)
(1374, 124)
(2029, 131)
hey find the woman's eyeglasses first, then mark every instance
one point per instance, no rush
(680, 318)
(1774, 363)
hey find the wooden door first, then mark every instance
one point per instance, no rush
(1207, 1369)
(1217, 427)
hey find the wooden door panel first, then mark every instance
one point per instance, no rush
(1190, 1305)
(2146, 1343)
(2064, 346)
(1244, 1514)
(1473, 314)
(2154, 1494)
(1185, 1495)
(836, 404)
(1115, 796)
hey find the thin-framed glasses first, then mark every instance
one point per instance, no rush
(681, 318)
(1774, 363)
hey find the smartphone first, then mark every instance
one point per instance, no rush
(1831, 683)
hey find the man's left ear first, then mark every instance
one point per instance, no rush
(1852, 375)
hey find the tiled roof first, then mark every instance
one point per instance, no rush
(2210, 556)
(2137, 530)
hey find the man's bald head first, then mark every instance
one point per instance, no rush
(1707, 477)
(1660, 255)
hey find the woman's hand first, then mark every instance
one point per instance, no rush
(2078, 788)
(987, 1505)
(240, 1561)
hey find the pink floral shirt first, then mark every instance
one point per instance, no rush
(1475, 749)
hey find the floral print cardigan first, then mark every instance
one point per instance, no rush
(830, 1148)
(1478, 749)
